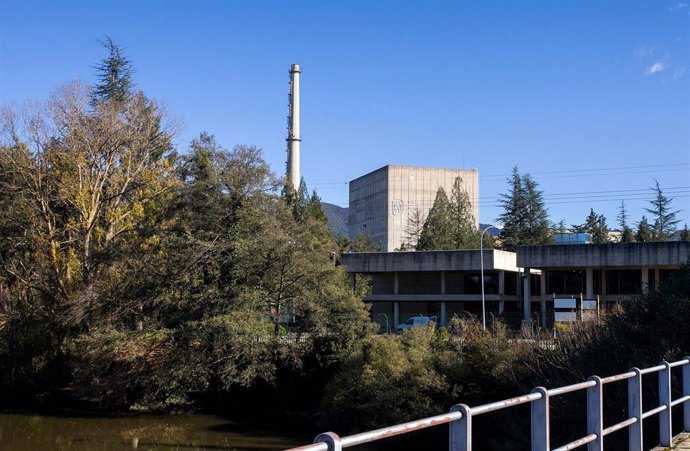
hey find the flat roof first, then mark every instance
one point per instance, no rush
(433, 168)
(458, 260)
(662, 253)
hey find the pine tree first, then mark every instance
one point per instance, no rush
(114, 75)
(514, 213)
(596, 225)
(464, 234)
(685, 233)
(627, 234)
(314, 210)
(436, 233)
(413, 230)
(664, 219)
(644, 232)
(537, 219)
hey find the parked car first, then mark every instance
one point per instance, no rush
(416, 321)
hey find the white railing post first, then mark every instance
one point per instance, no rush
(331, 439)
(460, 438)
(686, 392)
(595, 414)
(540, 421)
(635, 411)
(665, 432)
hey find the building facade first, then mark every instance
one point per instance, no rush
(436, 283)
(384, 203)
(447, 283)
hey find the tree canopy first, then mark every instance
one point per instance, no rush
(525, 217)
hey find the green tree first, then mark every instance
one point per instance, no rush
(665, 220)
(413, 230)
(644, 232)
(437, 230)
(685, 234)
(525, 217)
(537, 220)
(514, 214)
(464, 233)
(627, 234)
(596, 225)
(114, 73)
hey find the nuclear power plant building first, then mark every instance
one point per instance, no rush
(387, 203)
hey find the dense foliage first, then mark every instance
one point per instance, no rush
(525, 217)
(450, 223)
(136, 276)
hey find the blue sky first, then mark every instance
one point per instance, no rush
(591, 98)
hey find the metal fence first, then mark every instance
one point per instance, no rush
(460, 416)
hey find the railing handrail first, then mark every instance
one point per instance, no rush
(460, 416)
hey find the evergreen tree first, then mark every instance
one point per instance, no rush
(413, 230)
(596, 225)
(644, 232)
(537, 220)
(664, 218)
(525, 218)
(464, 234)
(685, 234)
(627, 234)
(314, 210)
(436, 233)
(514, 213)
(114, 75)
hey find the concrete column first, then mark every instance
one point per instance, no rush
(542, 297)
(443, 282)
(604, 290)
(353, 281)
(396, 313)
(395, 283)
(526, 300)
(589, 283)
(645, 279)
(501, 292)
(443, 319)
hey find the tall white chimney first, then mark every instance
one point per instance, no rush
(293, 138)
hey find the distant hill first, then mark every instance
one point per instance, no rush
(492, 232)
(337, 219)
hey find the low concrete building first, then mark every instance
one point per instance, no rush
(445, 283)
(383, 202)
(611, 273)
(437, 283)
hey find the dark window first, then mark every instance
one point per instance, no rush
(574, 282)
(623, 281)
(419, 283)
(596, 281)
(565, 282)
(383, 283)
(511, 279)
(472, 283)
(555, 282)
(535, 284)
(454, 283)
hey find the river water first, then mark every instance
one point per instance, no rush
(30, 432)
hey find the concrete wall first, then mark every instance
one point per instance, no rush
(383, 201)
(667, 253)
(465, 260)
(368, 212)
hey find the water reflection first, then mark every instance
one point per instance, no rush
(22, 432)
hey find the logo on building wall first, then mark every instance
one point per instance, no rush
(397, 207)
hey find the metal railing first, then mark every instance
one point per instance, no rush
(460, 416)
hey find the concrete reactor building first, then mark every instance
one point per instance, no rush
(384, 202)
